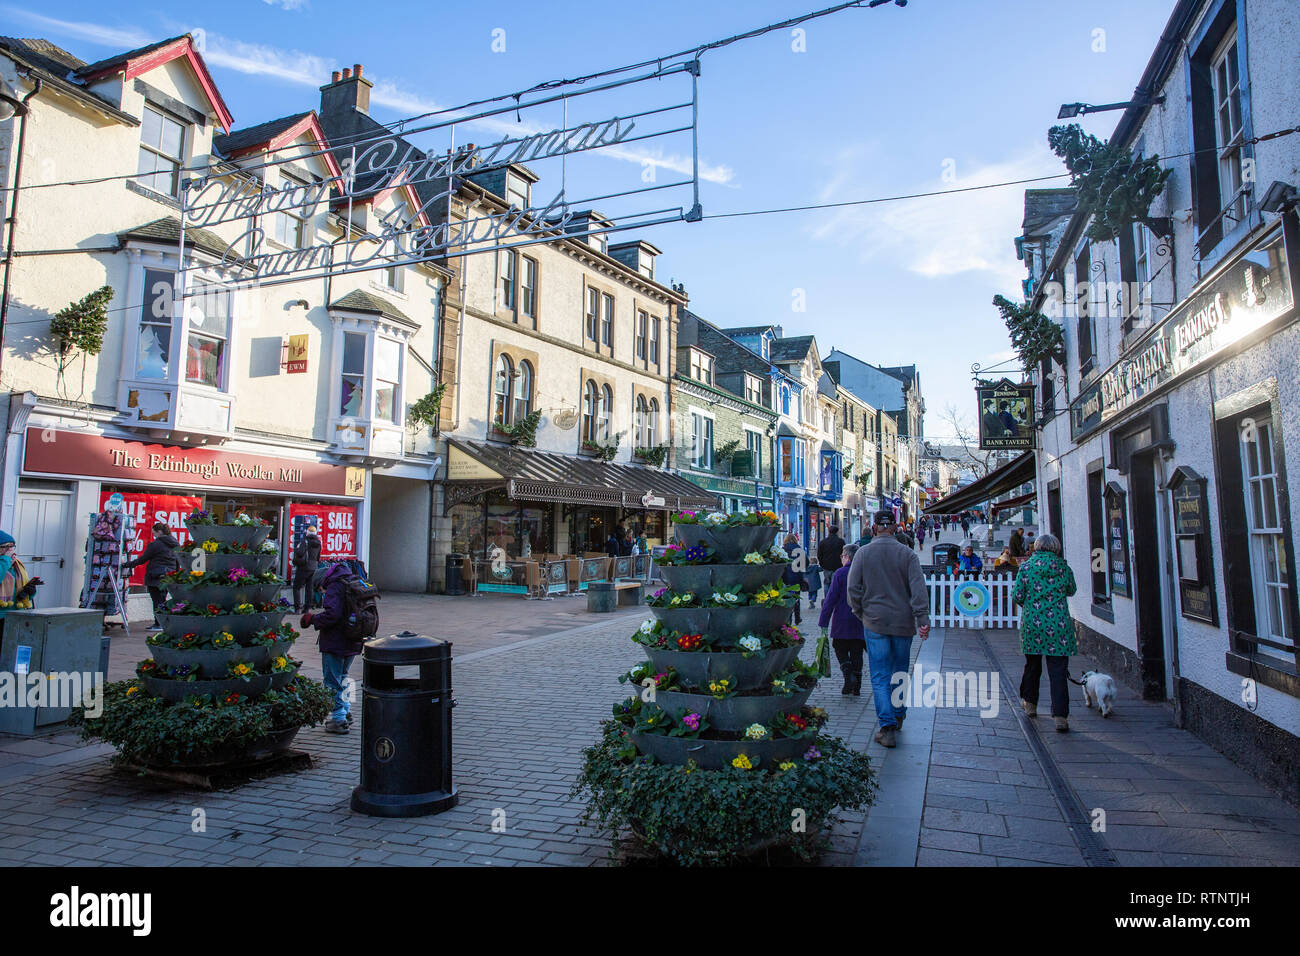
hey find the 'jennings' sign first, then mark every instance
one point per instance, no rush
(1006, 415)
(1247, 295)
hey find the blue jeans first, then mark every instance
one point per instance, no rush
(887, 656)
(335, 670)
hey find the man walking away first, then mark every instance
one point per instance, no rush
(829, 552)
(887, 594)
(160, 559)
(306, 558)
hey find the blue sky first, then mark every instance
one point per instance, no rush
(940, 94)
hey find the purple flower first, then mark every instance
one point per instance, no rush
(659, 593)
(812, 754)
(692, 721)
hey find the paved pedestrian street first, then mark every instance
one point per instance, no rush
(533, 680)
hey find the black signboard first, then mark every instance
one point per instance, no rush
(1006, 415)
(1192, 543)
(1117, 540)
(1245, 296)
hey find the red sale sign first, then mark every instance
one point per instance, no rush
(171, 510)
(335, 524)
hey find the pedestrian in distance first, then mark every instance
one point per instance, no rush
(159, 558)
(1042, 586)
(813, 580)
(887, 593)
(306, 559)
(790, 576)
(828, 555)
(348, 615)
(627, 545)
(970, 562)
(614, 542)
(920, 536)
(965, 525)
(1016, 544)
(847, 639)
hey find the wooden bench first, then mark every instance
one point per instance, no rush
(606, 596)
(630, 593)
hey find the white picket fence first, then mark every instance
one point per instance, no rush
(945, 611)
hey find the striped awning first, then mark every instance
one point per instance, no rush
(531, 475)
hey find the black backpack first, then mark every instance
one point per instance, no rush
(360, 609)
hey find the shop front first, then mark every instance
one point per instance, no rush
(1177, 458)
(527, 509)
(63, 476)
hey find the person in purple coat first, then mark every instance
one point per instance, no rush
(336, 651)
(846, 635)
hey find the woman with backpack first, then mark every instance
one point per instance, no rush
(336, 648)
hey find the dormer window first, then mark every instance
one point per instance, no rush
(753, 389)
(701, 367)
(291, 222)
(516, 191)
(162, 152)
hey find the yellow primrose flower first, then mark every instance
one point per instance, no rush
(210, 545)
(742, 763)
(787, 765)
(131, 690)
(196, 574)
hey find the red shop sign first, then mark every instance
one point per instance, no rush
(335, 524)
(52, 452)
(171, 510)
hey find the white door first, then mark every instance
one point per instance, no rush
(41, 532)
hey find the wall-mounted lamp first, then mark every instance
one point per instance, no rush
(10, 104)
(300, 303)
(1071, 110)
(1279, 197)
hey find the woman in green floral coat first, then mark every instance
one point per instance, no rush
(1042, 585)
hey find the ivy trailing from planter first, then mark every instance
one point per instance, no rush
(655, 456)
(1033, 335)
(1115, 188)
(607, 451)
(523, 432)
(425, 411)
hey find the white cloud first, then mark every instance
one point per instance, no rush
(307, 69)
(290, 5)
(937, 236)
(96, 33)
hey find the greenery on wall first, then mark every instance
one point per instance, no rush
(1114, 187)
(523, 432)
(1033, 335)
(425, 411)
(654, 456)
(80, 326)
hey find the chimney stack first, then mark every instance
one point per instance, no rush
(347, 90)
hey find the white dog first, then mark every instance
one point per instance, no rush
(1098, 690)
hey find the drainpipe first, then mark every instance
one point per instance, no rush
(22, 111)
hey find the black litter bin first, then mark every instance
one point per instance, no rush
(406, 728)
(455, 579)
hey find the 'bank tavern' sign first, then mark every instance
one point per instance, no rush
(1244, 297)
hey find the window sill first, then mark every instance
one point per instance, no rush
(1263, 670)
(169, 201)
(1103, 611)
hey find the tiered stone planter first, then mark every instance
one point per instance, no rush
(211, 665)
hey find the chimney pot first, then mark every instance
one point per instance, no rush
(347, 74)
(356, 69)
(336, 76)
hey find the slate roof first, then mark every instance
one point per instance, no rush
(88, 69)
(746, 329)
(791, 349)
(168, 232)
(54, 65)
(239, 139)
(358, 301)
(1043, 207)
